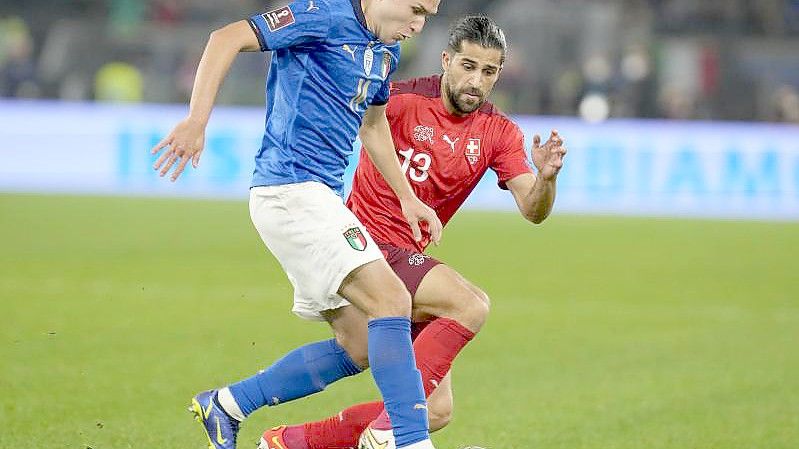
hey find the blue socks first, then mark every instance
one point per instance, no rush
(394, 369)
(301, 372)
(311, 368)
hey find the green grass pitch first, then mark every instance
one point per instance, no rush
(604, 332)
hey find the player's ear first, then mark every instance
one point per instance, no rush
(445, 60)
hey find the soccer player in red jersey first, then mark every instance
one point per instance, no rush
(446, 136)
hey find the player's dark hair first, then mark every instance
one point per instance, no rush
(478, 29)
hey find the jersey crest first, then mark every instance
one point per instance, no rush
(368, 60)
(355, 238)
(473, 151)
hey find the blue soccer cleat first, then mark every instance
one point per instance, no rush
(219, 427)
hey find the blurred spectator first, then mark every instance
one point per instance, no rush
(786, 104)
(17, 67)
(710, 59)
(118, 82)
(167, 11)
(125, 16)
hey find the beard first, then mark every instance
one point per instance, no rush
(461, 106)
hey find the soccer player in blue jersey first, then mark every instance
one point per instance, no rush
(328, 82)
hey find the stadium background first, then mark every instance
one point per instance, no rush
(657, 307)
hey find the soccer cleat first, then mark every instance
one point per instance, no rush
(219, 427)
(273, 439)
(376, 439)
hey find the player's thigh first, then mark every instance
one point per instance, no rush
(376, 290)
(444, 292)
(440, 404)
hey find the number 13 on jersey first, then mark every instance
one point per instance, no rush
(422, 163)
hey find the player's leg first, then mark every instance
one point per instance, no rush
(343, 429)
(440, 404)
(445, 293)
(291, 220)
(346, 323)
(380, 294)
(462, 309)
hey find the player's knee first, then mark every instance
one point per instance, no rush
(394, 300)
(473, 309)
(377, 291)
(356, 348)
(439, 412)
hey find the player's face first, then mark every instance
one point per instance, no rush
(469, 76)
(397, 20)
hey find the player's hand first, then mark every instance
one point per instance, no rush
(548, 158)
(185, 143)
(415, 211)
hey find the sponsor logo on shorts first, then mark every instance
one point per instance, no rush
(417, 259)
(278, 18)
(355, 238)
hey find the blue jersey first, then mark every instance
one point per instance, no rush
(327, 68)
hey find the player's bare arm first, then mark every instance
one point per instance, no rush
(535, 194)
(376, 138)
(186, 141)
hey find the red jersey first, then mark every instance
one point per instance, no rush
(443, 155)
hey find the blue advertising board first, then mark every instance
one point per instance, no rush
(630, 167)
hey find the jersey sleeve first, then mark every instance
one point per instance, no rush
(510, 159)
(381, 97)
(300, 22)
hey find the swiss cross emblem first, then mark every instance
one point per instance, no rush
(473, 151)
(278, 18)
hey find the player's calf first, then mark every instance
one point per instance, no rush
(440, 405)
(349, 326)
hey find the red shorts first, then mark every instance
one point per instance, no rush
(411, 267)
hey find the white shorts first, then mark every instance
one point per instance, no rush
(316, 239)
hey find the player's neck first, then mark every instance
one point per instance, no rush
(367, 16)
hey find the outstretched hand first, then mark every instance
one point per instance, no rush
(185, 143)
(548, 158)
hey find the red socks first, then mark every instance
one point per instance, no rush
(337, 432)
(435, 349)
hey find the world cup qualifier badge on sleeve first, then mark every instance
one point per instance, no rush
(355, 238)
(278, 18)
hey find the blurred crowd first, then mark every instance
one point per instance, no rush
(682, 59)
